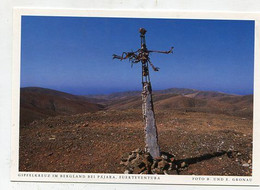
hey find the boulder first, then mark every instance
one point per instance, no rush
(141, 162)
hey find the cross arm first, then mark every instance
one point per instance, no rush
(166, 52)
(125, 55)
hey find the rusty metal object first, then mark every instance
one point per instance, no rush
(142, 55)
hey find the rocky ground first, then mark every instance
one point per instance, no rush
(201, 143)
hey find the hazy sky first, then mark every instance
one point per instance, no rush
(74, 54)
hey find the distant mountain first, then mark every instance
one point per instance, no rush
(37, 103)
(208, 94)
(192, 100)
(108, 98)
(180, 91)
(113, 96)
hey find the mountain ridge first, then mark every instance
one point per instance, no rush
(181, 91)
(38, 103)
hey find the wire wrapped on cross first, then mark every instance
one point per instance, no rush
(142, 55)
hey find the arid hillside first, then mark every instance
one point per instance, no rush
(209, 133)
(38, 103)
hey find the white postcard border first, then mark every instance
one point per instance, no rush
(131, 178)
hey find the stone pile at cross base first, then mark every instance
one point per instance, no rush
(140, 162)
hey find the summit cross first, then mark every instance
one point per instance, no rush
(142, 55)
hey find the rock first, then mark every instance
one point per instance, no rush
(124, 163)
(145, 172)
(158, 159)
(138, 150)
(126, 172)
(125, 156)
(170, 166)
(183, 164)
(124, 160)
(172, 172)
(140, 162)
(162, 164)
(85, 124)
(131, 157)
(52, 137)
(157, 171)
(246, 165)
(165, 157)
(137, 163)
(50, 154)
(249, 161)
(138, 170)
(135, 159)
(172, 159)
(148, 156)
(154, 165)
(147, 162)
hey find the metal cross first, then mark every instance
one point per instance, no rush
(142, 55)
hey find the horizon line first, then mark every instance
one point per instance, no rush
(64, 91)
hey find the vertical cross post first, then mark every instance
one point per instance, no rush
(151, 135)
